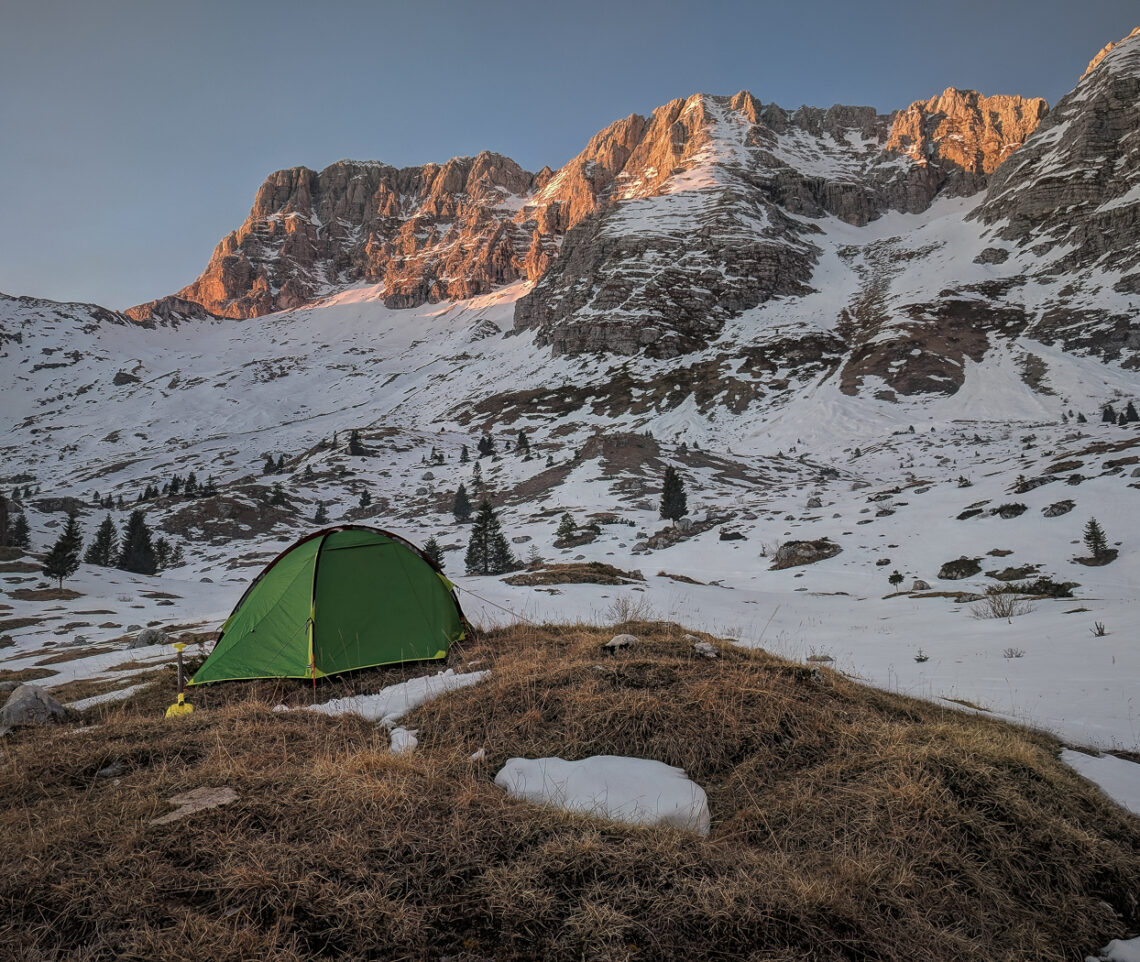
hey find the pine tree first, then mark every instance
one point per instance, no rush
(322, 515)
(354, 446)
(280, 466)
(308, 472)
(210, 489)
(1130, 414)
(365, 498)
(461, 507)
(1122, 420)
(18, 533)
(1095, 539)
(1081, 419)
(674, 502)
(177, 558)
(486, 445)
(566, 526)
(268, 467)
(103, 549)
(175, 484)
(161, 554)
(63, 559)
(477, 475)
(136, 552)
(191, 488)
(488, 552)
(277, 496)
(1108, 415)
(550, 460)
(523, 443)
(434, 552)
(464, 456)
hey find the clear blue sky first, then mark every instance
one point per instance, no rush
(134, 133)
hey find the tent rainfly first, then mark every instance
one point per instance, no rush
(340, 599)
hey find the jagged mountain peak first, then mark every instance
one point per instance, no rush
(1106, 50)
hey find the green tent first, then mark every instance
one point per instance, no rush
(343, 598)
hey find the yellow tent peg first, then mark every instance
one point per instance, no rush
(181, 707)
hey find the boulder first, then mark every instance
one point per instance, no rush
(919, 585)
(147, 637)
(30, 705)
(1057, 508)
(961, 568)
(791, 554)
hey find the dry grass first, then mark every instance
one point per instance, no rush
(45, 594)
(574, 573)
(847, 824)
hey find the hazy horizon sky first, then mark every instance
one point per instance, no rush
(136, 132)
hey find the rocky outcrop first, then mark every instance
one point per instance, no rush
(682, 221)
(427, 233)
(1070, 201)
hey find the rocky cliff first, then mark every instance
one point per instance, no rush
(708, 208)
(427, 233)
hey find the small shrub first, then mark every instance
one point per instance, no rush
(1000, 604)
(921, 656)
(1013, 653)
(1098, 629)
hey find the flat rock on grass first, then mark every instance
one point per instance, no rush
(196, 800)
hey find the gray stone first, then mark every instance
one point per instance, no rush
(919, 585)
(147, 637)
(30, 705)
(961, 568)
(1057, 508)
(620, 643)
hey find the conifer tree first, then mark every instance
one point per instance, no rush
(434, 552)
(18, 534)
(354, 446)
(177, 558)
(191, 487)
(486, 445)
(674, 502)
(269, 466)
(461, 507)
(210, 488)
(488, 552)
(280, 466)
(566, 526)
(477, 475)
(1122, 420)
(161, 554)
(136, 552)
(1081, 419)
(1095, 539)
(1108, 415)
(322, 515)
(277, 495)
(1130, 414)
(365, 498)
(63, 558)
(175, 484)
(104, 549)
(464, 456)
(550, 460)
(523, 443)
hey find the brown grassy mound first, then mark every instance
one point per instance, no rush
(847, 824)
(572, 573)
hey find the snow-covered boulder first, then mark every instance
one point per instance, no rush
(620, 643)
(148, 637)
(637, 791)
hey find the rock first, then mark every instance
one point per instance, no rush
(479, 755)
(882, 562)
(1008, 510)
(427, 476)
(620, 643)
(30, 705)
(961, 568)
(814, 502)
(134, 627)
(726, 535)
(705, 649)
(919, 585)
(197, 800)
(992, 255)
(1058, 508)
(79, 640)
(110, 771)
(685, 524)
(794, 553)
(122, 378)
(147, 637)
(9, 685)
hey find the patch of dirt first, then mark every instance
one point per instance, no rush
(684, 579)
(25, 674)
(79, 651)
(588, 573)
(12, 624)
(20, 567)
(1107, 558)
(45, 594)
